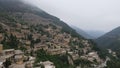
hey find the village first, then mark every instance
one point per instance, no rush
(52, 41)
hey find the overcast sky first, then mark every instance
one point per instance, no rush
(103, 15)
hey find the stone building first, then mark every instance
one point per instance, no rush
(19, 57)
(56, 51)
(47, 64)
(40, 46)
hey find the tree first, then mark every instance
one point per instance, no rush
(13, 42)
(7, 63)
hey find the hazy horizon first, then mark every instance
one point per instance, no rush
(102, 15)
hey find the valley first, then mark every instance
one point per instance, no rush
(32, 38)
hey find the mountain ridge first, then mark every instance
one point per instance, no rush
(45, 37)
(82, 32)
(109, 39)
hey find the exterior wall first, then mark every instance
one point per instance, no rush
(19, 62)
(1, 37)
(1, 48)
(19, 59)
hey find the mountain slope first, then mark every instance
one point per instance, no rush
(82, 33)
(24, 11)
(95, 34)
(44, 36)
(110, 40)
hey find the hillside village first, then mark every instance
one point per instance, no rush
(32, 38)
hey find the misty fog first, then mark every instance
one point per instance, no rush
(100, 15)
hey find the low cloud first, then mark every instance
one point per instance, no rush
(101, 15)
